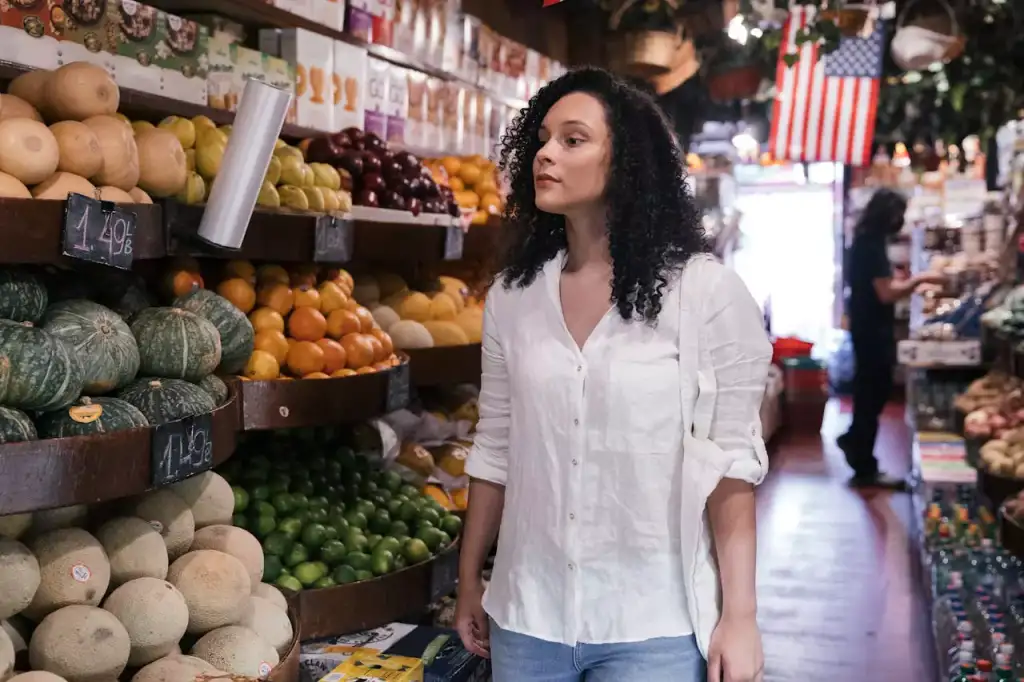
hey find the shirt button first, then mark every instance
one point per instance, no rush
(579, 368)
(571, 567)
(572, 517)
(575, 462)
(753, 431)
(576, 422)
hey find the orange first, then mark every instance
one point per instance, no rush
(451, 164)
(381, 366)
(239, 292)
(305, 357)
(262, 366)
(264, 319)
(366, 370)
(280, 297)
(334, 355)
(307, 324)
(272, 341)
(456, 184)
(317, 375)
(385, 341)
(331, 297)
(378, 348)
(342, 278)
(241, 269)
(271, 274)
(346, 372)
(395, 360)
(358, 351)
(304, 274)
(306, 296)
(366, 322)
(181, 282)
(351, 304)
(486, 185)
(470, 174)
(342, 322)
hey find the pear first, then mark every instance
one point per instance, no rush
(316, 198)
(208, 158)
(190, 159)
(292, 172)
(278, 143)
(226, 130)
(331, 203)
(293, 197)
(287, 151)
(201, 121)
(344, 201)
(308, 176)
(183, 129)
(273, 171)
(141, 126)
(268, 195)
(325, 176)
(194, 191)
(206, 135)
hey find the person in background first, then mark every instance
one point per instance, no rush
(619, 438)
(872, 293)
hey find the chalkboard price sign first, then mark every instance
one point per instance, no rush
(454, 240)
(181, 449)
(98, 231)
(334, 239)
(398, 388)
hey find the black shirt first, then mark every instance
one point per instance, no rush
(866, 261)
(681, 106)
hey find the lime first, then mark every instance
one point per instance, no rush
(389, 543)
(344, 574)
(398, 528)
(452, 525)
(296, 555)
(289, 582)
(262, 526)
(259, 493)
(241, 498)
(271, 568)
(304, 487)
(355, 541)
(391, 481)
(264, 508)
(325, 582)
(324, 568)
(277, 544)
(240, 521)
(317, 515)
(368, 488)
(300, 501)
(408, 512)
(445, 538)
(345, 457)
(402, 538)
(292, 527)
(282, 503)
(365, 507)
(429, 516)
(333, 552)
(363, 575)
(301, 514)
(319, 502)
(314, 535)
(360, 561)
(330, 533)
(307, 573)
(432, 537)
(382, 561)
(372, 539)
(380, 522)
(415, 550)
(356, 519)
(394, 505)
(338, 521)
(279, 484)
(409, 491)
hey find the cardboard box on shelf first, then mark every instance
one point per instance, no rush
(245, 64)
(453, 103)
(404, 32)
(468, 142)
(433, 122)
(183, 55)
(281, 74)
(514, 83)
(398, 104)
(221, 73)
(350, 63)
(220, 28)
(141, 29)
(470, 49)
(453, 53)
(29, 34)
(437, 29)
(481, 118)
(303, 8)
(375, 119)
(313, 57)
(359, 19)
(384, 23)
(416, 115)
(495, 128)
(367, 665)
(330, 13)
(89, 35)
(487, 41)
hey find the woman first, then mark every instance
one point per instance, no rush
(595, 451)
(872, 291)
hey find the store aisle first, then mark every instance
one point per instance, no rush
(839, 595)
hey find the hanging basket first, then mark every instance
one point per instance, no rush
(852, 20)
(649, 53)
(737, 83)
(941, 29)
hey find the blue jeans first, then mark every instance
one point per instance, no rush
(520, 658)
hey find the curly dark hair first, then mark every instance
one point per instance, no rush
(654, 226)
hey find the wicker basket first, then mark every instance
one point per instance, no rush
(650, 53)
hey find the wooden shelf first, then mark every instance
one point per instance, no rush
(445, 365)
(59, 472)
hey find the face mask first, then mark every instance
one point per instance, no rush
(915, 48)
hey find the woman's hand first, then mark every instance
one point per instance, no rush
(735, 653)
(471, 620)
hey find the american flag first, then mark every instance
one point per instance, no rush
(825, 108)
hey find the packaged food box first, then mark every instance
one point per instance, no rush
(245, 64)
(350, 63)
(453, 52)
(183, 55)
(481, 117)
(313, 57)
(452, 118)
(140, 33)
(437, 29)
(359, 19)
(303, 8)
(487, 44)
(30, 31)
(444, 658)
(89, 34)
(514, 82)
(281, 74)
(377, 82)
(433, 123)
(468, 140)
(383, 22)
(319, 657)
(398, 104)
(416, 115)
(220, 27)
(404, 30)
(330, 13)
(221, 70)
(367, 665)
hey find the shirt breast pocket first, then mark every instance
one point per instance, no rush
(642, 403)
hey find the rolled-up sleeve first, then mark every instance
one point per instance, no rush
(488, 458)
(740, 355)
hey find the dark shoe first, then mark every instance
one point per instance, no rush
(845, 443)
(880, 481)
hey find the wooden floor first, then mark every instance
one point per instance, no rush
(838, 595)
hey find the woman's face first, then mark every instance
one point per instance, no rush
(570, 171)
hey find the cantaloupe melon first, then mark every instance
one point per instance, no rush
(37, 676)
(390, 284)
(62, 517)
(19, 629)
(413, 306)
(175, 668)
(80, 90)
(31, 87)
(269, 622)
(140, 196)
(169, 516)
(155, 615)
(135, 549)
(406, 334)
(115, 194)
(81, 644)
(216, 587)
(6, 655)
(120, 155)
(238, 650)
(471, 321)
(13, 526)
(442, 307)
(79, 148)
(237, 542)
(20, 575)
(446, 333)
(73, 569)
(384, 316)
(59, 185)
(366, 290)
(28, 150)
(271, 594)
(13, 188)
(12, 106)
(209, 496)
(162, 167)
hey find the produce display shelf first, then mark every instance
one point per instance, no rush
(372, 603)
(59, 472)
(445, 365)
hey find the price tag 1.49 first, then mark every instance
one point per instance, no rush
(334, 240)
(98, 231)
(181, 449)
(454, 241)
(398, 388)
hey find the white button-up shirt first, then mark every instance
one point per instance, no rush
(608, 453)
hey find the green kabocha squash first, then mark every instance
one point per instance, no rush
(100, 339)
(175, 343)
(15, 426)
(216, 387)
(45, 375)
(237, 338)
(23, 295)
(167, 400)
(90, 416)
(5, 376)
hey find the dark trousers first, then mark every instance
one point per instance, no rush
(872, 385)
